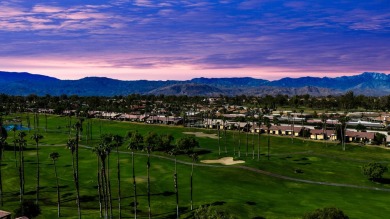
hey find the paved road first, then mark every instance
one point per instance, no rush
(263, 172)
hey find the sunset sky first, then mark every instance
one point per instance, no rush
(184, 39)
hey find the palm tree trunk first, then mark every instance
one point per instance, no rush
(15, 147)
(76, 186)
(1, 180)
(224, 130)
(99, 182)
(105, 188)
(239, 141)
(119, 183)
(176, 190)
(219, 139)
(268, 144)
(134, 186)
(109, 186)
(37, 188)
(148, 175)
(253, 144)
(246, 153)
(258, 146)
(234, 144)
(191, 185)
(58, 191)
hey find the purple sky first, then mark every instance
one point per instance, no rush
(184, 39)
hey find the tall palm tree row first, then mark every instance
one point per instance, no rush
(37, 137)
(71, 144)
(258, 136)
(3, 144)
(106, 142)
(134, 185)
(22, 144)
(79, 127)
(118, 141)
(194, 157)
(54, 157)
(148, 182)
(267, 123)
(103, 151)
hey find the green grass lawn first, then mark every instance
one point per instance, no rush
(242, 193)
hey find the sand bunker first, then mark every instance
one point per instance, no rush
(201, 134)
(224, 161)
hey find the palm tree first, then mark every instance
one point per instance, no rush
(194, 157)
(268, 124)
(174, 153)
(239, 140)
(343, 120)
(106, 143)
(54, 157)
(134, 185)
(37, 137)
(253, 137)
(224, 133)
(118, 140)
(14, 130)
(72, 145)
(22, 143)
(258, 137)
(99, 181)
(148, 183)
(79, 128)
(219, 138)
(2, 145)
(102, 151)
(324, 118)
(293, 125)
(247, 130)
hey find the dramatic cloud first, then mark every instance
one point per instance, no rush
(190, 38)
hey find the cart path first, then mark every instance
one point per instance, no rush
(263, 172)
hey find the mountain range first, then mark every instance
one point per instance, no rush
(367, 83)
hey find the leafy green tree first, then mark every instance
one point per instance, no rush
(374, 171)
(166, 142)
(153, 140)
(187, 144)
(379, 138)
(360, 127)
(326, 213)
(136, 141)
(54, 157)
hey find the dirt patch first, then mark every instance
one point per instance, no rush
(224, 161)
(202, 135)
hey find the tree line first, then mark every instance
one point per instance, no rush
(175, 105)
